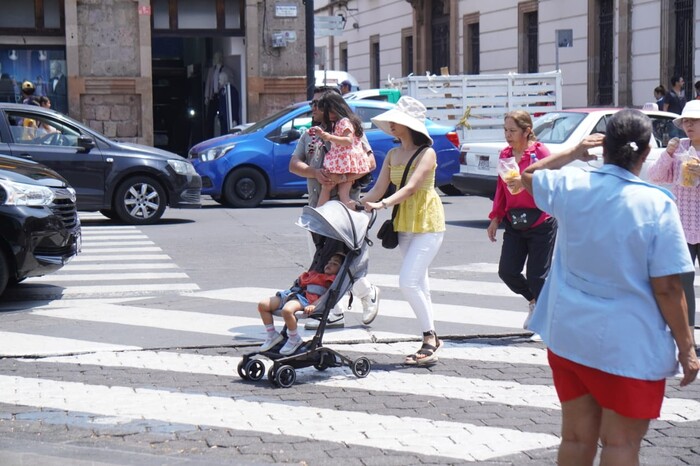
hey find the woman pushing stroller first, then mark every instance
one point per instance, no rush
(307, 289)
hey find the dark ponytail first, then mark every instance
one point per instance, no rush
(627, 136)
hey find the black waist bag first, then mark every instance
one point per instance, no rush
(522, 219)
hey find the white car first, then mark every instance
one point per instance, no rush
(557, 130)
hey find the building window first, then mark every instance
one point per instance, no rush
(606, 37)
(374, 62)
(406, 51)
(684, 49)
(343, 51)
(471, 44)
(45, 69)
(440, 37)
(32, 17)
(214, 16)
(528, 40)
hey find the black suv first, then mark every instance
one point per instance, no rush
(129, 182)
(39, 225)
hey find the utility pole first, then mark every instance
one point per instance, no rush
(310, 48)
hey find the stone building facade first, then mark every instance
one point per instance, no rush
(136, 70)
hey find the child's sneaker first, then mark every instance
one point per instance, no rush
(291, 346)
(271, 341)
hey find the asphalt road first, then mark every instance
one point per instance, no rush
(130, 355)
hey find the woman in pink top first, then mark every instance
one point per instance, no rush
(667, 170)
(529, 232)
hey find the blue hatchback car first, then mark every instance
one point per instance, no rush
(243, 169)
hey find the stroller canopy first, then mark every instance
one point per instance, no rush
(334, 220)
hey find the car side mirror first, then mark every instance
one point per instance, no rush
(86, 143)
(290, 136)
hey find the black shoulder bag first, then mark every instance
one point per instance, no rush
(387, 234)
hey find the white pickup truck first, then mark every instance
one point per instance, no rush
(557, 130)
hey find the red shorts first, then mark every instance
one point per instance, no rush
(639, 399)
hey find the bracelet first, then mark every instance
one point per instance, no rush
(384, 204)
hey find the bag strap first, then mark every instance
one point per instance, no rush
(395, 210)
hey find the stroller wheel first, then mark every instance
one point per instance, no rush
(285, 376)
(241, 370)
(255, 369)
(271, 375)
(361, 367)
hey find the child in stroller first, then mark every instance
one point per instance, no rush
(300, 297)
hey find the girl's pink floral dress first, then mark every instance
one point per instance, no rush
(346, 159)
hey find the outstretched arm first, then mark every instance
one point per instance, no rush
(556, 161)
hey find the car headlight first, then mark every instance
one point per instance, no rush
(215, 152)
(21, 194)
(181, 167)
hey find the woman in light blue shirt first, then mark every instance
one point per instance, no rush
(612, 311)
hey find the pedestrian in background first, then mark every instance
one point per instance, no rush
(659, 94)
(345, 87)
(612, 294)
(697, 90)
(668, 169)
(307, 162)
(420, 220)
(529, 233)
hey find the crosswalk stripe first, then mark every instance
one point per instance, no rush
(92, 238)
(90, 243)
(65, 277)
(121, 250)
(110, 258)
(122, 266)
(392, 308)
(508, 393)
(108, 228)
(449, 285)
(29, 345)
(463, 441)
(121, 290)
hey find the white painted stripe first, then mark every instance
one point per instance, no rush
(24, 344)
(109, 228)
(183, 321)
(106, 267)
(392, 308)
(448, 285)
(91, 243)
(476, 267)
(425, 385)
(95, 277)
(92, 237)
(110, 258)
(101, 290)
(120, 250)
(466, 442)
(226, 365)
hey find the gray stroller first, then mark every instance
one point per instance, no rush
(335, 228)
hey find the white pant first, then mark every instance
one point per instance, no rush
(418, 251)
(360, 288)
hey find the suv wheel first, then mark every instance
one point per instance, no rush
(244, 187)
(140, 200)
